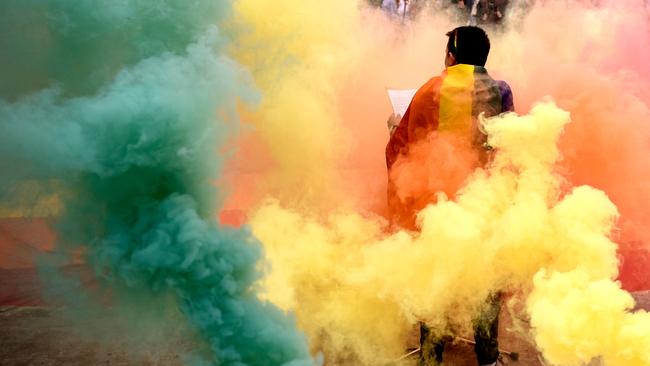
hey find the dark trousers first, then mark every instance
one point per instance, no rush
(486, 331)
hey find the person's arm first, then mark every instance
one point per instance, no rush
(420, 118)
(398, 143)
(393, 122)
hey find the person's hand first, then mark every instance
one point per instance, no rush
(485, 17)
(499, 15)
(393, 122)
(461, 4)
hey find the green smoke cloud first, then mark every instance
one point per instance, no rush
(126, 104)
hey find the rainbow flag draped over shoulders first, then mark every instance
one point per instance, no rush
(450, 102)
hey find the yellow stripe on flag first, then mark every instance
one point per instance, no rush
(456, 99)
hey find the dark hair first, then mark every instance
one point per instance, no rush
(469, 45)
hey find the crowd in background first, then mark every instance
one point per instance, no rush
(470, 12)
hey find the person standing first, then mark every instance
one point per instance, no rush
(451, 102)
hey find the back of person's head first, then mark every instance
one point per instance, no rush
(469, 45)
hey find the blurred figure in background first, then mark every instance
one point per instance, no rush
(396, 8)
(468, 10)
(474, 12)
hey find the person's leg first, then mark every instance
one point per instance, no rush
(486, 331)
(432, 346)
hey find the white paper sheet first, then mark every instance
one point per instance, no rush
(400, 99)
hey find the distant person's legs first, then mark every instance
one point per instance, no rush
(432, 346)
(486, 331)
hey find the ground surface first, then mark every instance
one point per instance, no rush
(31, 334)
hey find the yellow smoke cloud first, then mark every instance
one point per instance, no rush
(357, 291)
(298, 52)
(322, 68)
(579, 318)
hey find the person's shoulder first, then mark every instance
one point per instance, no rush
(429, 87)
